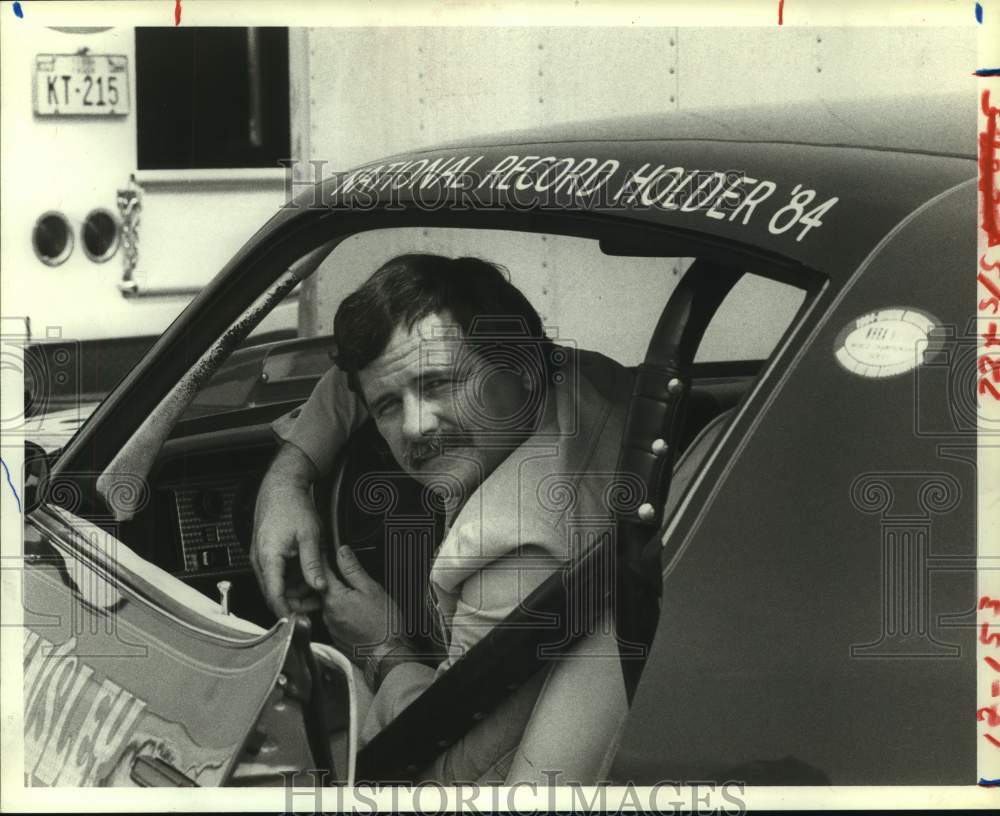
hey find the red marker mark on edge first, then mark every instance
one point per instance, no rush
(177, 12)
(987, 170)
(781, 12)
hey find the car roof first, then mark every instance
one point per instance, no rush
(843, 174)
(938, 124)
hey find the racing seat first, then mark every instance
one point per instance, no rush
(581, 709)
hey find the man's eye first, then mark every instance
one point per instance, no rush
(386, 407)
(437, 383)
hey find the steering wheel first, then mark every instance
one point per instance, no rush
(390, 521)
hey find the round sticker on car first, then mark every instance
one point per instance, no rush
(885, 343)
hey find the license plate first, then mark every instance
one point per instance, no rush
(81, 84)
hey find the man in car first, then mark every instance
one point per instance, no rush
(474, 401)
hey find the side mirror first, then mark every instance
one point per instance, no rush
(36, 476)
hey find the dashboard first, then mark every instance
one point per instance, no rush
(213, 518)
(199, 523)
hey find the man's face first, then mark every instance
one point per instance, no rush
(448, 412)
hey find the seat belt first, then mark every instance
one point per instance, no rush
(652, 430)
(538, 630)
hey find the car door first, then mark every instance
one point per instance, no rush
(102, 629)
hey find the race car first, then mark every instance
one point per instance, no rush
(794, 571)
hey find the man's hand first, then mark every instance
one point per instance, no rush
(356, 610)
(286, 540)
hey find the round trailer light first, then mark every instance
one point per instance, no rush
(100, 235)
(52, 238)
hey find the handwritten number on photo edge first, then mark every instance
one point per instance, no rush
(988, 638)
(990, 368)
(990, 336)
(990, 714)
(987, 602)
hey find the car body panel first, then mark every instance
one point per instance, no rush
(820, 582)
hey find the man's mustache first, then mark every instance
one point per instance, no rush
(433, 446)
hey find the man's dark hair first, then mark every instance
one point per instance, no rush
(404, 290)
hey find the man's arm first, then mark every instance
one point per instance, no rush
(287, 528)
(286, 540)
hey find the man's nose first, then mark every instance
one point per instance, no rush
(419, 418)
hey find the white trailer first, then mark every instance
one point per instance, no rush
(110, 221)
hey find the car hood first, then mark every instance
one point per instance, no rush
(53, 429)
